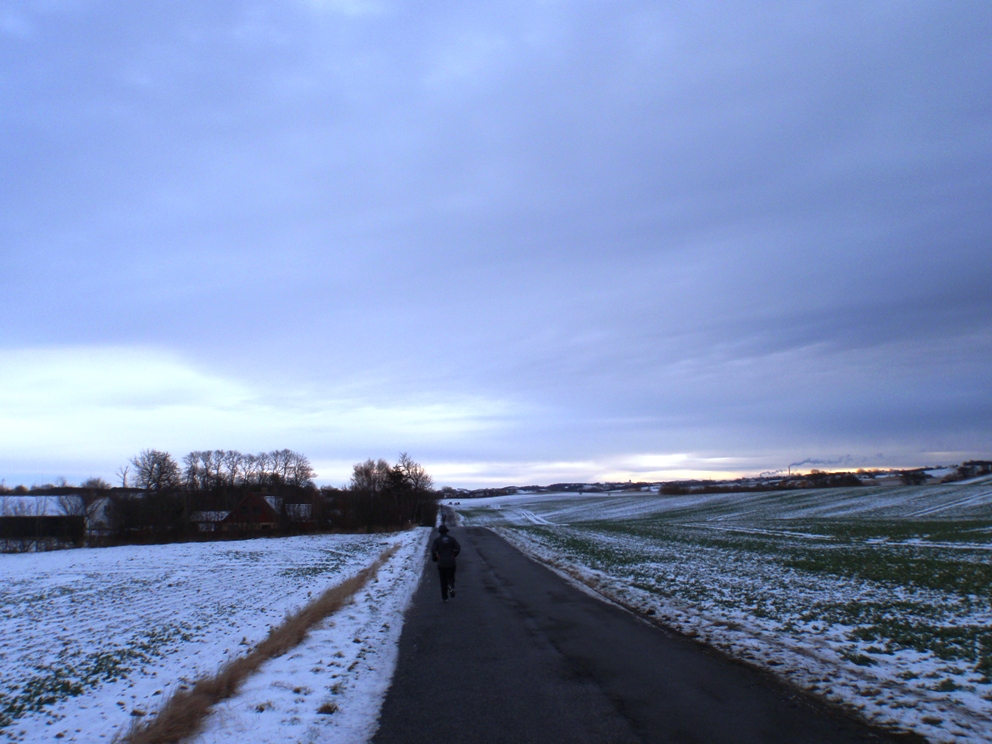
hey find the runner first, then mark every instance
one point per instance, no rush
(443, 553)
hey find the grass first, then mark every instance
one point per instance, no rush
(73, 675)
(331, 561)
(183, 714)
(82, 628)
(905, 567)
(859, 565)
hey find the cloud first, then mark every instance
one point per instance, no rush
(558, 233)
(350, 7)
(620, 469)
(101, 402)
(15, 25)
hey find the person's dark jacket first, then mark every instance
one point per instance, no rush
(444, 550)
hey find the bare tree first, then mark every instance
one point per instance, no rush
(415, 473)
(155, 470)
(191, 471)
(207, 477)
(234, 464)
(213, 469)
(301, 472)
(72, 505)
(252, 469)
(217, 474)
(370, 476)
(122, 473)
(282, 463)
(369, 481)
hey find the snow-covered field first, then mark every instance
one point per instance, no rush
(876, 598)
(94, 637)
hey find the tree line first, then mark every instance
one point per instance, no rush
(380, 495)
(212, 470)
(160, 499)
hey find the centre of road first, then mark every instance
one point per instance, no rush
(521, 655)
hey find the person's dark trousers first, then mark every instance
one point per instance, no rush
(447, 580)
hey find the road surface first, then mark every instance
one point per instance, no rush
(520, 655)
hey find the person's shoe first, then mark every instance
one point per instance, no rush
(444, 599)
(451, 591)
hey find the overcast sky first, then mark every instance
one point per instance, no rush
(525, 242)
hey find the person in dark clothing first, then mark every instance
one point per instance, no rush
(443, 552)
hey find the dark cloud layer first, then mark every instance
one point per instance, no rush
(758, 231)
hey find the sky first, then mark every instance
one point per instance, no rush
(525, 242)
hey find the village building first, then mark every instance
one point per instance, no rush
(31, 523)
(208, 521)
(254, 513)
(259, 512)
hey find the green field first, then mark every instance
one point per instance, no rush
(876, 597)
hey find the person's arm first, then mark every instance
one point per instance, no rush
(458, 548)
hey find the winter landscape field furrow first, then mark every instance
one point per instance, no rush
(96, 637)
(876, 598)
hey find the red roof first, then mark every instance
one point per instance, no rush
(253, 509)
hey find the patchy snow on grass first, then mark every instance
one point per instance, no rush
(94, 637)
(874, 598)
(331, 687)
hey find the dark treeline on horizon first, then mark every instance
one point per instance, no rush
(777, 482)
(218, 494)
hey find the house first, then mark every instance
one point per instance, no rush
(259, 512)
(99, 522)
(300, 516)
(255, 513)
(40, 522)
(208, 521)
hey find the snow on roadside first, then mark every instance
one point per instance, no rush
(814, 659)
(874, 597)
(93, 637)
(962, 499)
(331, 687)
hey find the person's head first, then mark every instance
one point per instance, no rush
(443, 529)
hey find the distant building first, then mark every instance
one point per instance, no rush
(30, 523)
(255, 513)
(259, 512)
(209, 521)
(300, 516)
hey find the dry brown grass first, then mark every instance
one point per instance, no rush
(183, 714)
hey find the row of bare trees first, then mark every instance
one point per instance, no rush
(213, 470)
(209, 470)
(382, 496)
(160, 501)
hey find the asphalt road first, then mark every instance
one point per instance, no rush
(520, 655)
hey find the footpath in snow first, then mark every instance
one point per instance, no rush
(96, 637)
(330, 688)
